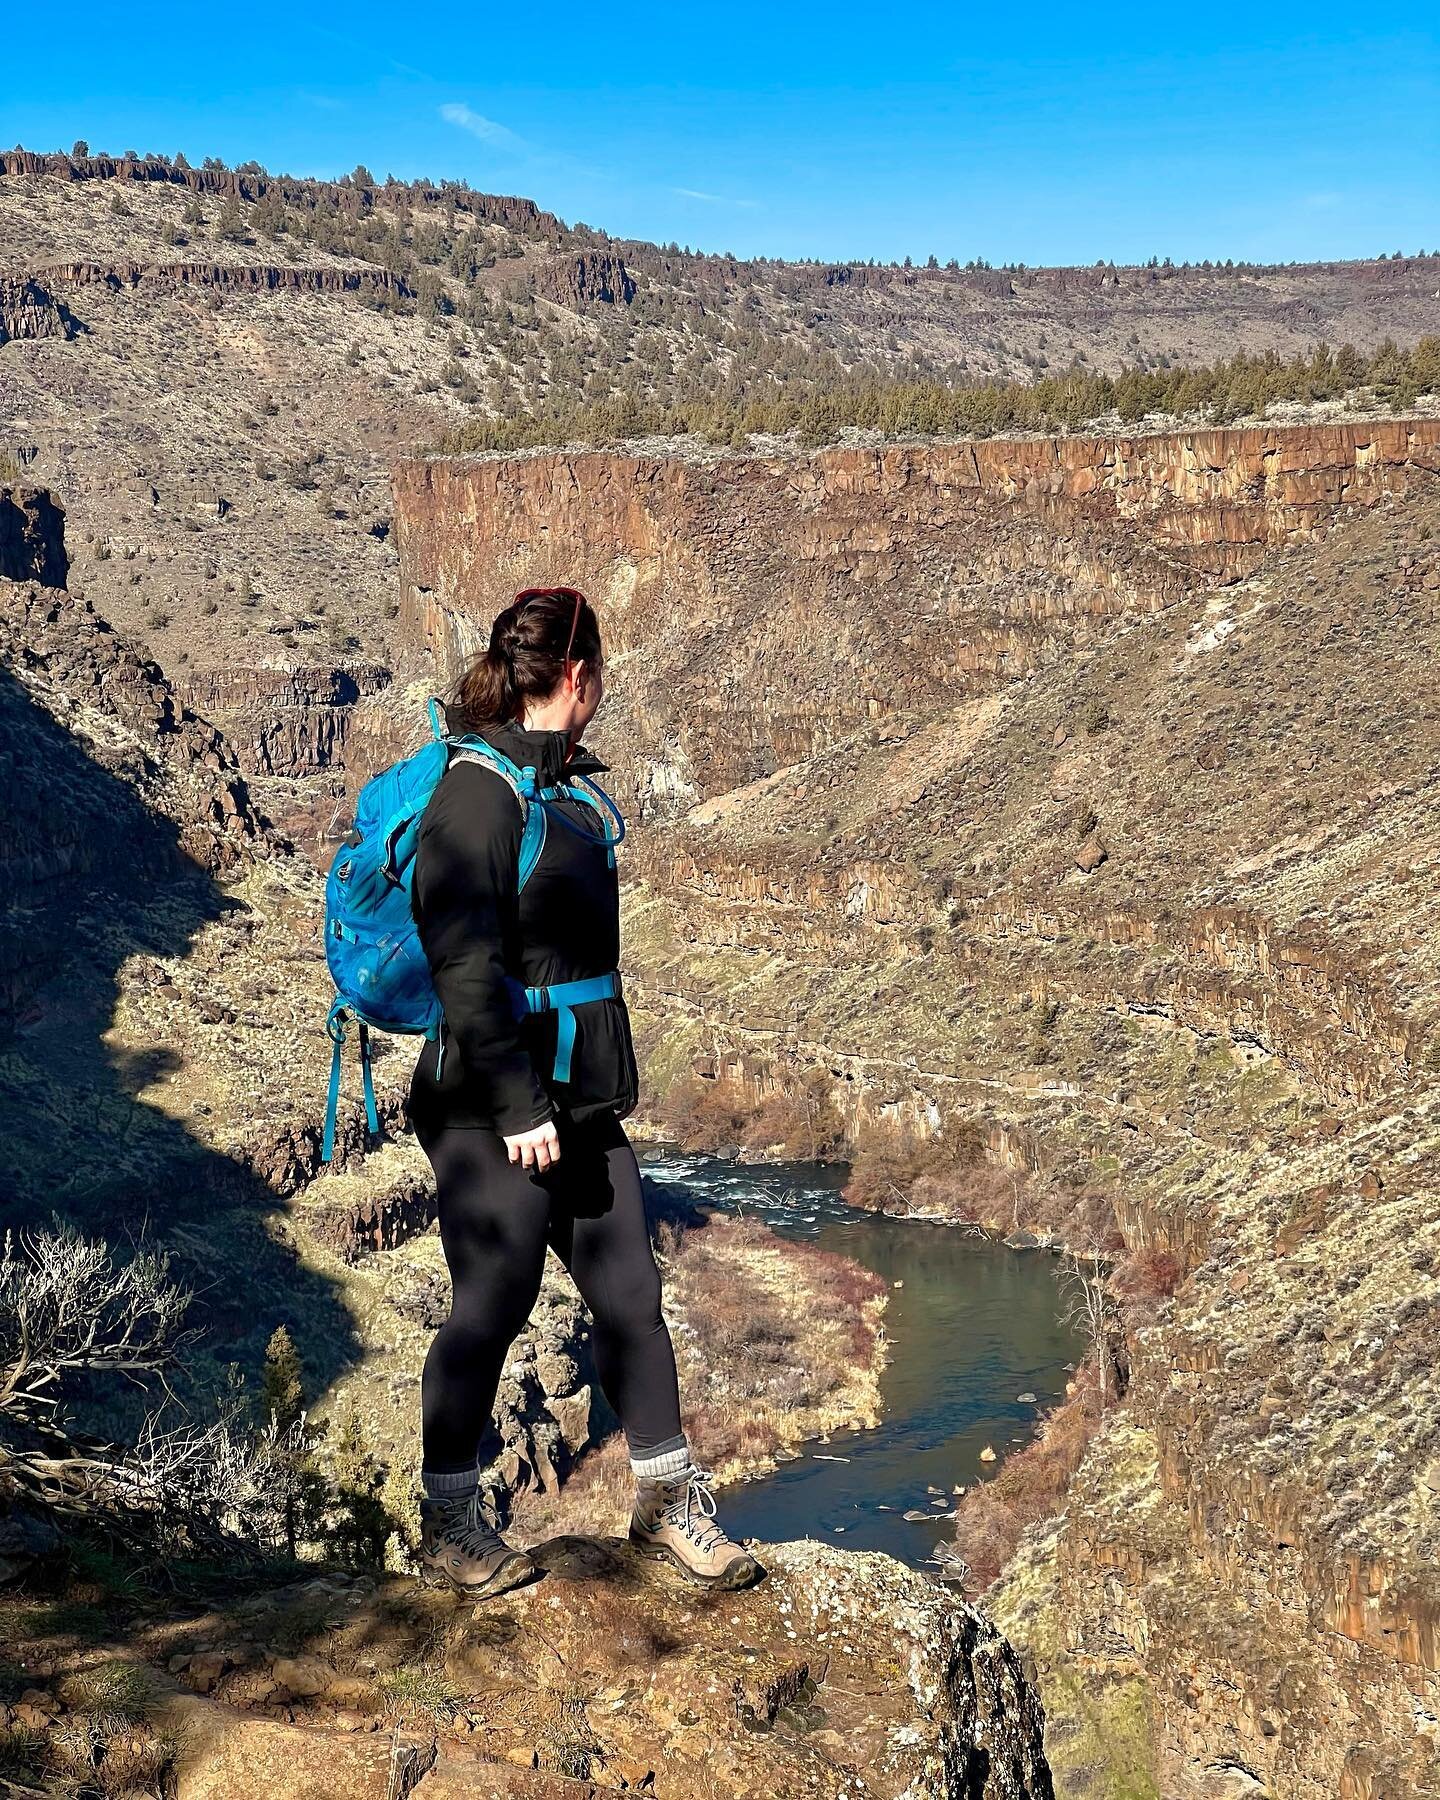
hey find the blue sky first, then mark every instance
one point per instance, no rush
(1040, 134)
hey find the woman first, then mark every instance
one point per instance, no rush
(523, 1158)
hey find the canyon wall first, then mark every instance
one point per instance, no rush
(830, 590)
(284, 721)
(1133, 518)
(65, 680)
(1073, 800)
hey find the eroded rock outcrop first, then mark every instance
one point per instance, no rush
(589, 279)
(29, 310)
(241, 277)
(32, 537)
(285, 721)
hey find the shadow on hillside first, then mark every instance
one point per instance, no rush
(89, 879)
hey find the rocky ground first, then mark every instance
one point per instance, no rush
(837, 1675)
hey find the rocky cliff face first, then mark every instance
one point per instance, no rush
(61, 666)
(590, 279)
(29, 310)
(32, 537)
(834, 590)
(240, 277)
(1144, 907)
(285, 721)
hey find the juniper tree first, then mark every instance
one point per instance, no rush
(231, 223)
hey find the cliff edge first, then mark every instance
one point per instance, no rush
(841, 1673)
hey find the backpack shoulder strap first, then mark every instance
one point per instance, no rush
(521, 783)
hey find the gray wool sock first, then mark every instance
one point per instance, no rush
(449, 1484)
(666, 1460)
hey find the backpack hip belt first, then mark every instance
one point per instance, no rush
(561, 998)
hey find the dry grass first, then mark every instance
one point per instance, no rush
(1085, 1220)
(895, 1170)
(1030, 1486)
(775, 1342)
(1142, 1282)
(799, 1122)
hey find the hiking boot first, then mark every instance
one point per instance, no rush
(674, 1521)
(457, 1545)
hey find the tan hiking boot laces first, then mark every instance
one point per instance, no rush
(700, 1527)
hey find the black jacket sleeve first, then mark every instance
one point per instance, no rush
(466, 907)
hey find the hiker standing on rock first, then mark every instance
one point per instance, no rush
(517, 1101)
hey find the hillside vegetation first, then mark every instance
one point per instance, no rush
(221, 440)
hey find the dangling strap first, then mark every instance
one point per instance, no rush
(440, 1049)
(327, 1148)
(335, 1028)
(367, 1081)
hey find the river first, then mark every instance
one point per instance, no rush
(976, 1349)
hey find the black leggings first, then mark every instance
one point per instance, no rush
(495, 1221)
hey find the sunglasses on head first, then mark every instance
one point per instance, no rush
(526, 595)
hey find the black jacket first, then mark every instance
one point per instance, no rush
(476, 928)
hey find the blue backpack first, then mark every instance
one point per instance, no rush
(382, 979)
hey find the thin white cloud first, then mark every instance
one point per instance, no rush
(711, 199)
(455, 112)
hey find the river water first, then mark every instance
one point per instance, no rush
(976, 1350)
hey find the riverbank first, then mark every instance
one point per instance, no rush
(776, 1343)
(957, 1178)
(976, 1353)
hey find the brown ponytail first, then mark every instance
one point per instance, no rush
(530, 643)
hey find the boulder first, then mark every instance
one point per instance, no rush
(1090, 855)
(303, 1677)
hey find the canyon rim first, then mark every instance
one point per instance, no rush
(1046, 819)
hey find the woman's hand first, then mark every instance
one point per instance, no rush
(538, 1149)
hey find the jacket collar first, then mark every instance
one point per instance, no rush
(546, 750)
